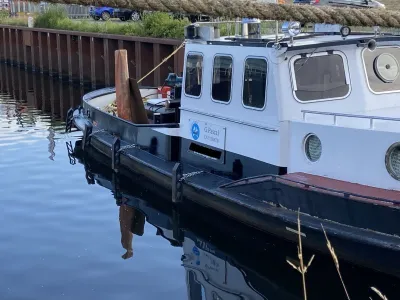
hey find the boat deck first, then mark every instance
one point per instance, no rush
(327, 199)
(348, 189)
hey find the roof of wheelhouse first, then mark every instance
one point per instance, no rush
(302, 41)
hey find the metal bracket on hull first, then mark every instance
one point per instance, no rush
(69, 119)
(89, 175)
(87, 133)
(115, 183)
(177, 185)
(115, 152)
(70, 151)
(177, 231)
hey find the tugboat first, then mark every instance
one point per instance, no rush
(264, 128)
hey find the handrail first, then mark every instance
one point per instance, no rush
(335, 115)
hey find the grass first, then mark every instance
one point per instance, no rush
(303, 269)
(160, 25)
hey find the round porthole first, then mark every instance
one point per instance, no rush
(312, 147)
(392, 161)
(386, 67)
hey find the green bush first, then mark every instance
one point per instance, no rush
(161, 25)
(4, 14)
(51, 17)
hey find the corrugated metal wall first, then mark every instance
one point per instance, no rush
(87, 58)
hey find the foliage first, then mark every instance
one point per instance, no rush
(4, 14)
(160, 25)
(51, 17)
(163, 25)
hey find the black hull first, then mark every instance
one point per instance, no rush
(260, 257)
(376, 250)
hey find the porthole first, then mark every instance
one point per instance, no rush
(386, 67)
(392, 161)
(312, 147)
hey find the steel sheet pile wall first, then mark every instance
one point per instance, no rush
(85, 57)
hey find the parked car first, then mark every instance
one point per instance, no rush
(357, 3)
(105, 13)
(125, 14)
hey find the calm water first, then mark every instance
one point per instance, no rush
(63, 234)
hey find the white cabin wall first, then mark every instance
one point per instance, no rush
(347, 154)
(377, 101)
(235, 108)
(361, 99)
(260, 139)
(290, 108)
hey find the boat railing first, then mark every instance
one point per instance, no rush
(355, 116)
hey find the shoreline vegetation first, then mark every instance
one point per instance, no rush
(157, 24)
(302, 267)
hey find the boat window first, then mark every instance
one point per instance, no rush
(321, 76)
(254, 82)
(222, 78)
(193, 75)
(382, 69)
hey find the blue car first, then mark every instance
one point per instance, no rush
(106, 12)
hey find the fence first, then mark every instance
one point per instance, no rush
(74, 11)
(87, 58)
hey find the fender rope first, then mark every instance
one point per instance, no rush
(257, 9)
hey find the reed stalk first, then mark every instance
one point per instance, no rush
(379, 293)
(301, 268)
(335, 260)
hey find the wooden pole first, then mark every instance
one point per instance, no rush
(122, 85)
(130, 105)
(137, 107)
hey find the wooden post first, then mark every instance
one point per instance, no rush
(139, 114)
(129, 101)
(122, 85)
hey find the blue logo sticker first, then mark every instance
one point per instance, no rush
(195, 131)
(196, 251)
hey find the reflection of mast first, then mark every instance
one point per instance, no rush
(52, 143)
(131, 222)
(126, 215)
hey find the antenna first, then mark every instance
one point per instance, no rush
(277, 25)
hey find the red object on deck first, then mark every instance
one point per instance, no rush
(163, 90)
(342, 186)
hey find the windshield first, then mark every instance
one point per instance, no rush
(320, 77)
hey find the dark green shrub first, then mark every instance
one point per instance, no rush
(51, 17)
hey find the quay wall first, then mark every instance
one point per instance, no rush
(87, 58)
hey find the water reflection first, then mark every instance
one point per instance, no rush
(222, 258)
(131, 223)
(44, 93)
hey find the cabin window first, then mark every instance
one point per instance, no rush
(254, 83)
(222, 78)
(193, 74)
(382, 69)
(322, 76)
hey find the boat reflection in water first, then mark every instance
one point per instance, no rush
(223, 259)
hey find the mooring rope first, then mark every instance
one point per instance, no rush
(163, 61)
(256, 9)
